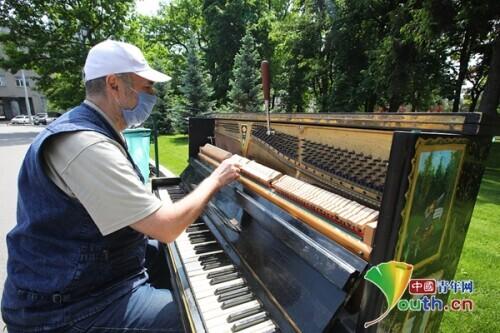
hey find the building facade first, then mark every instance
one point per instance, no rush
(12, 96)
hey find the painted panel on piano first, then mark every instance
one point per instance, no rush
(444, 183)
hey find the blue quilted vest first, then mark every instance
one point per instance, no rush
(60, 268)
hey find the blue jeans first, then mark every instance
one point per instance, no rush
(147, 309)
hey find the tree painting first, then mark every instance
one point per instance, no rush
(436, 177)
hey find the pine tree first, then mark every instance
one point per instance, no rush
(195, 90)
(161, 112)
(245, 93)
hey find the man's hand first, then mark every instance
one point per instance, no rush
(226, 172)
(171, 219)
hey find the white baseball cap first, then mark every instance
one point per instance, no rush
(112, 57)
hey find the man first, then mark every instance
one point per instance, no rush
(77, 254)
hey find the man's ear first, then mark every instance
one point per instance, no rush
(112, 81)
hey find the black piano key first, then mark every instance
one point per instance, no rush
(246, 323)
(206, 258)
(203, 248)
(213, 260)
(244, 313)
(215, 264)
(220, 273)
(202, 259)
(237, 301)
(196, 228)
(199, 234)
(198, 247)
(222, 290)
(197, 225)
(195, 234)
(224, 278)
(200, 226)
(232, 294)
(206, 249)
(199, 240)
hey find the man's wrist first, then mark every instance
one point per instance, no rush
(214, 183)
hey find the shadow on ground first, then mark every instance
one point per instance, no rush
(15, 139)
(181, 140)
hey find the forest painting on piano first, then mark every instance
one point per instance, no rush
(439, 201)
(435, 178)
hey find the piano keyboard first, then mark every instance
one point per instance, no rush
(225, 301)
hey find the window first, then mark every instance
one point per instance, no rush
(2, 81)
(19, 81)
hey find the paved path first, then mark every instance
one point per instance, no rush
(14, 141)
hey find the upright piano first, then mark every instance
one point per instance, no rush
(322, 198)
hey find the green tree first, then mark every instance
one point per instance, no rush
(491, 97)
(387, 53)
(291, 64)
(357, 29)
(159, 56)
(53, 38)
(245, 93)
(225, 23)
(178, 22)
(195, 89)
(162, 111)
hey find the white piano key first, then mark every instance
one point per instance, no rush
(210, 303)
(197, 257)
(203, 284)
(202, 274)
(207, 265)
(213, 314)
(265, 327)
(188, 255)
(209, 290)
(196, 267)
(199, 232)
(211, 295)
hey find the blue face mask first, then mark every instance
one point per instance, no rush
(141, 111)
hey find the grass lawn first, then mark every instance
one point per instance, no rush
(172, 152)
(480, 257)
